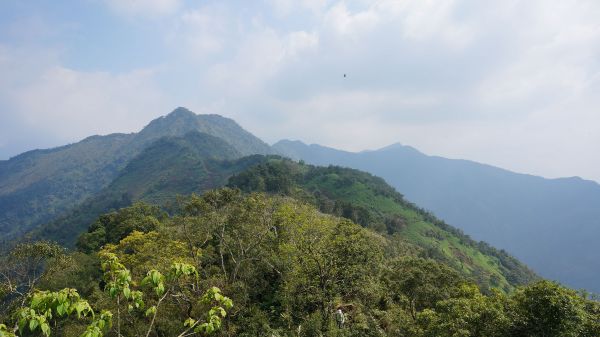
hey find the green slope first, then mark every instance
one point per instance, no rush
(369, 201)
(169, 167)
(550, 224)
(38, 186)
(198, 162)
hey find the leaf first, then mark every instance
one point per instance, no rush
(45, 329)
(127, 292)
(228, 303)
(189, 322)
(151, 311)
(160, 289)
(61, 309)
(35, 301)
(22, 324)
(33, 324)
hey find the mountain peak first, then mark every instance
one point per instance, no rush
(181, 112)
(182, 121)
(398, 147)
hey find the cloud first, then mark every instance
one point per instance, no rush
(508, 83)
(511, 83)
(286, 8)
(58, 105)
(146, 8)
(88, 102)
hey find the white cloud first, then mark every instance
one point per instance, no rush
(61, 105)
(148, 8)
(510, 83)
(285, 8)
(299, 42)
(89, 103)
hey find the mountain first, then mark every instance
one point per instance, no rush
(195, 163)
(282, 268)
(369, 201)
(40, 185)
(181, 121)
(550, 224)
(171, 166)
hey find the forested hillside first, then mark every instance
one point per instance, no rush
(198, 162)
(550, 224)
(187, 235)
(234, 264)
(169, 167)
(38, 186)
(367, 200)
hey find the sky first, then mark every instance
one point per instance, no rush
(510, 83)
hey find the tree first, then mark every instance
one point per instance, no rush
(418, 283)
(470, 314)
(180, 284)
(329, 260)
(23, 268)
(115, 226)
(545, 309)
(46, 307)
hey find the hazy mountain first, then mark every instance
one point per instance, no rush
(369, 201)
(39, 185)
(169, 167)
(174, 166)
(181, 121)
(550, 224)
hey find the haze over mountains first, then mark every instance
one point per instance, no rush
(549, 224)
(39, 185)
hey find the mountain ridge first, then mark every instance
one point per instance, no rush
(282, 145)
(547, 223)
(170, 166)
(39, 185)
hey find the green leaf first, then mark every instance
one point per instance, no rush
(127, 292)
(189, 322)
(61, 309)
(160, 289)
(22, 324)
(45, 329)
(33, 324)
(150, 311)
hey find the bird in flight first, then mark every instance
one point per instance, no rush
(344, 75)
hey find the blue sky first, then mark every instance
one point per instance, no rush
(510, 83)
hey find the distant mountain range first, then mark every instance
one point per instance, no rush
(550, 224)
(171, 166)
(40, 185)
(553, 225)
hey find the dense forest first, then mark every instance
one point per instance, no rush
(506, 209)
(235, 263)
(370, 202)
(41, 185)
(194, 231)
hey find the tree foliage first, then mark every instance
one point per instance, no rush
(287, 267)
